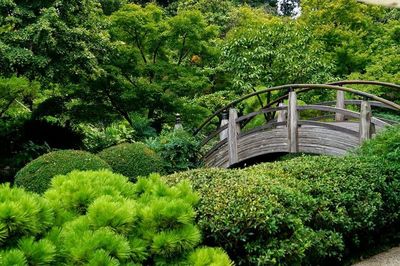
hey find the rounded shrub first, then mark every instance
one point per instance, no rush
(36, 175)
(105, 218)
(132, 160)
(100, 218)
(311, 210)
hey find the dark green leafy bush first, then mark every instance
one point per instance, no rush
(177, 148)
(132, 160)
(384, 152)
(386, 146)
(101, 218)
(36, 175)
(309, 210)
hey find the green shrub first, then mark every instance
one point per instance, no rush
(117, 221)
(101, 218)
(386, 146)
(24, 216)
(96, 139)
(309, 210)
(36, 175)
(384, 152)
(132, 160)
(177, 148)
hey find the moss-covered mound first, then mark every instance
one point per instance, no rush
(36, 175)
(132, 160)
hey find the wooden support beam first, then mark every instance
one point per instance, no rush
(365, 121)
(292, 123)
(233, 132)
(224, 133)
(340, 104)
(281, 115)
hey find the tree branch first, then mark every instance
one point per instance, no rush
(181, 53)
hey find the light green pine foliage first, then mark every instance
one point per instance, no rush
(106, 219)
(23, 218)
(103, 219)
(209, 257)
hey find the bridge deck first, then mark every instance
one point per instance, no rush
(311, 139)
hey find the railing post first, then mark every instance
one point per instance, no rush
(233, 131)
(281, 115)
(340, 104)
(292, 122)
(365, 121)
(224, 120)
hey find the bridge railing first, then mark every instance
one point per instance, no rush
(289, 116)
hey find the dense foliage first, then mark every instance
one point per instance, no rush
(177, 148)
(132, 160)
(309, 210)
(113, 71)
(100, 218)
(36, 175)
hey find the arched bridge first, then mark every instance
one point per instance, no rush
(288, 125)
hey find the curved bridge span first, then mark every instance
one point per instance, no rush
(283, 125)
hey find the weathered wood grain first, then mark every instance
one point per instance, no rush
(292, 122)
(340, 104)
(365, 121)
(233, 131)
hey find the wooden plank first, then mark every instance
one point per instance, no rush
(292, 122)
(365, 121)
(329, 109)
(282, 115)
(232, 136)
(358, 102)
(262, 111)
(331, 126)
(224, 121)
(339, 104)
(263, 128)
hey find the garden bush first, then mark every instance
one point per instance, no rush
(384, 152)
(24, 216)
(177, 148)
(386, 146)
(309, 210)
(100, 218)
(132, 160)
(36, 175)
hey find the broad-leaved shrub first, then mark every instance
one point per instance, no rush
(309, 210)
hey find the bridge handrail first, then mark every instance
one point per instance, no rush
(306, 87)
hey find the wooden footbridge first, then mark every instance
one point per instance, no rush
(330, 128)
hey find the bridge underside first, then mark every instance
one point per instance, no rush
(314, 139)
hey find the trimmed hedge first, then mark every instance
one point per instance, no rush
(309, 210)
(36, 175)
(132, 160)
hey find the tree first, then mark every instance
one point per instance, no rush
(346, 28)
(270, 51)
(54, 41)
(156, 61)
(14, 90)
